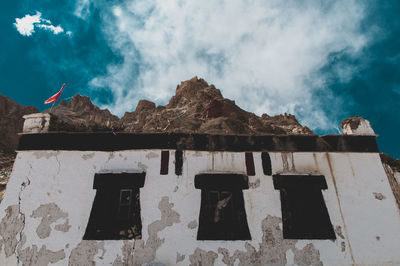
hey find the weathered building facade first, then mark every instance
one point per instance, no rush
(198, 199)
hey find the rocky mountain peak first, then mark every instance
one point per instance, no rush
(193, 91)
(145, 105)
(198, 107)
(79, 103)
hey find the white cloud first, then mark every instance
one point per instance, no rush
(82, 8)
(26, 25)
(262, 54)
(55, 30)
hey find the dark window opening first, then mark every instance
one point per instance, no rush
(178, 162)
(250, 164)
(304, 213)
(222, 212)
(164, 162)
(266, 163)
(115, 211)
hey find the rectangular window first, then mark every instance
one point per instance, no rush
(178, 162)
(222, 212)
(266, 163)
(115, 212)
(164, 162)
(250, 164)
(304, 213)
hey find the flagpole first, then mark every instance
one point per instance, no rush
(52, 106)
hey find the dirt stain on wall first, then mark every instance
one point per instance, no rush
(288, 162)
(88, 156)
(255, 184)
(152, 155)
(45, 154)
(379, 196)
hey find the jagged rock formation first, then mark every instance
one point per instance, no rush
(80, 114)
(198, 107)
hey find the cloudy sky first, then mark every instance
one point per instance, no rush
(321, 60)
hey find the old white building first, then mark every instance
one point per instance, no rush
(179, 199)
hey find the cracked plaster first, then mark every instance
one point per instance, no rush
(338, 231)
(11, 225)
(142, 166)
(50, 213)
(179, 257)
(273, 248)
(202, 258)
(85, 251)
(34, 257)
(192, 225)
(141, 251)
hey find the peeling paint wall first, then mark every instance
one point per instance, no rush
(85, 251)
(48, 214)
(10, 228)
(50, 195)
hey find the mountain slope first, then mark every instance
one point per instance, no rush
(11, 122)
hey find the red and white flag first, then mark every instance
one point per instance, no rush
(55, 97)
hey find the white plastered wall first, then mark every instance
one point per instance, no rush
(369, 224)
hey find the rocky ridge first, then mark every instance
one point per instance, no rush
(198, 107)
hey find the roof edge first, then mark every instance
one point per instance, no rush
(110, 141)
